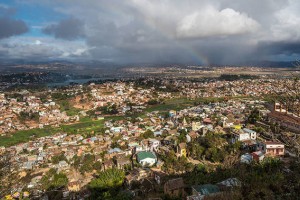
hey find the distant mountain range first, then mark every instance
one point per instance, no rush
(103, 65)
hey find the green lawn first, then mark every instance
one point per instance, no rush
(24, 136)
(83, 127)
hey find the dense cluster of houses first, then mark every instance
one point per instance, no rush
(141, 155)
(48, 113)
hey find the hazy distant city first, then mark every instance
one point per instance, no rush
(146, 99)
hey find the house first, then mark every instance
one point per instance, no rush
(246, 158)
(181, 150)
(243, 135)
(154, 144)
(273, 148)
(158, 176)
(229, 184)
(202, 191)
(63, 164)
(107, 164)
(258, 156)
(122, 161)
(193, 135)
(27, 165)
(175, 187)
(196, 126)
(146, 186)
(251, 133)
(146, 158)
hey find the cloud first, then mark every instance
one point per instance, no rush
(9, 26)
(41, 49)
(68, 29)
(168, 31)
(211, 22)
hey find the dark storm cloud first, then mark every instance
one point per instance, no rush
(282, 47)
(9, 26)
(68, 29)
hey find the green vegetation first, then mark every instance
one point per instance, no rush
(24, 116)
(173, 165)
(147, 134)
(88, 164)
(66, 106)
(56, 159)
(53, 180)
(171, 104)
(264, 180)
(153, 102)
(24, 136)
(110, 178)
(89, 126)
(108, 185)
(254, 116)
(212, 147)
(108, 110)
(235, 77)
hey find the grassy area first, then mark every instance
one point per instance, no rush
(171, 104)
(84, 127)
(23, 136)
(66, 106)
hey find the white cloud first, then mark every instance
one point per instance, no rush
(50, 48)
(211, 22)
(38, 42)
(287, 23)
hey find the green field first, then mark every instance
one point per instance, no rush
(77, 128)
(24, 136)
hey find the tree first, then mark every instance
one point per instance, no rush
(53, 180)
(148, 134)
(56, 159)
(111, 178)
(87, 163)
(153, 102)
(254, 116)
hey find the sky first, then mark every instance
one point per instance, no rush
(150, 31)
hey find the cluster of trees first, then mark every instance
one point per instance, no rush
(56, 159)
(86, 163)
(212, 147)
(153, 102)
(24, 116)
(266, 180)
(61, 96)
(147, 134)
(108, 110)
(53, 180)
(173, 164)
(254, 116)
(235, 77)
(109, 185)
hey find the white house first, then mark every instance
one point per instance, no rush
(146, 158)
(252, 134)
(244, 134)
(154, 144)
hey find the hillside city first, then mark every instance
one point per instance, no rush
(155, 138)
